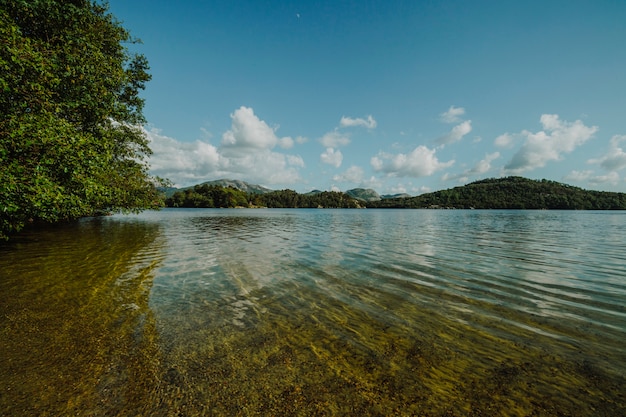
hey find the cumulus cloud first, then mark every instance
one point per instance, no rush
(421, 162)
(610, 178)
(456, 134)
(504, 141)
(482, 167)
(332, 157)
(615, 159)
(398, 189)
(354, 174)
(453, 115)
(334, 139)
(286, 142)
(249, 132)
(557, 138)
(368, 123)
(265, 167)
(578, 176)
(182, 161)
(588, 176)
(246, 152)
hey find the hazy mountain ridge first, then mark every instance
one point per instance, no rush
(236, 184)
(364, 194)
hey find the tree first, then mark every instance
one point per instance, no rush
(71, 141)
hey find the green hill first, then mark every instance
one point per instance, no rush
(225, 183)
(512, 193)
(493, 193)
(363, 194)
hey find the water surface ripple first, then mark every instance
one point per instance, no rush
(317, 312)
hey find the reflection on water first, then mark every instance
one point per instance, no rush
(317, 312)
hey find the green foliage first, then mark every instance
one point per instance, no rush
(291, 199)
(208, 196)
(71, 144)
(215, 196)
(512, 193)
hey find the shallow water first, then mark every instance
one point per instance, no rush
(316, 312)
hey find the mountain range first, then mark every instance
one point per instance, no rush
(362, 194)
(491, 193)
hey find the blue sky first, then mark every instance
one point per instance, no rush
(398, 96)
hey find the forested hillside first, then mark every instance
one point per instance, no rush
(499, 193)
(209, 196)
(512, 193)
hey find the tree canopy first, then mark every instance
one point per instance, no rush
(215, 196)
(512, 193)
(491, 193)
(71, 141)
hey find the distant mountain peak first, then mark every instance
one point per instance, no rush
(240, 185)
(363, 194)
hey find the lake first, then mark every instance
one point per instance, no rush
(186, 312)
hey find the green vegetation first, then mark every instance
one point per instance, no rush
(498, 193)
(512, 193)
(291, 199)
(71, 142)
(209, 196)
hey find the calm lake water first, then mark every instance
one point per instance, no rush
(316, 312)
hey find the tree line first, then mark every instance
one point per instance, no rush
(512, 193)
(215, 196)
(494, 193)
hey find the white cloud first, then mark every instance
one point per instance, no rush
(334, 139)
(504, 141)
(369, 123)
(265, 167)
(557, 138)
(372, 182)
(456, 134)
(453, 115)
(615, 159)
(610, 178)
(248, 131)
(245, 153)
(398, 189)
(354, 174)
(484, 165)
(588, 176)
(420, 190)
(578, 176)
(286, 142)
(182, 162)
(421, 162)
(332, 157)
